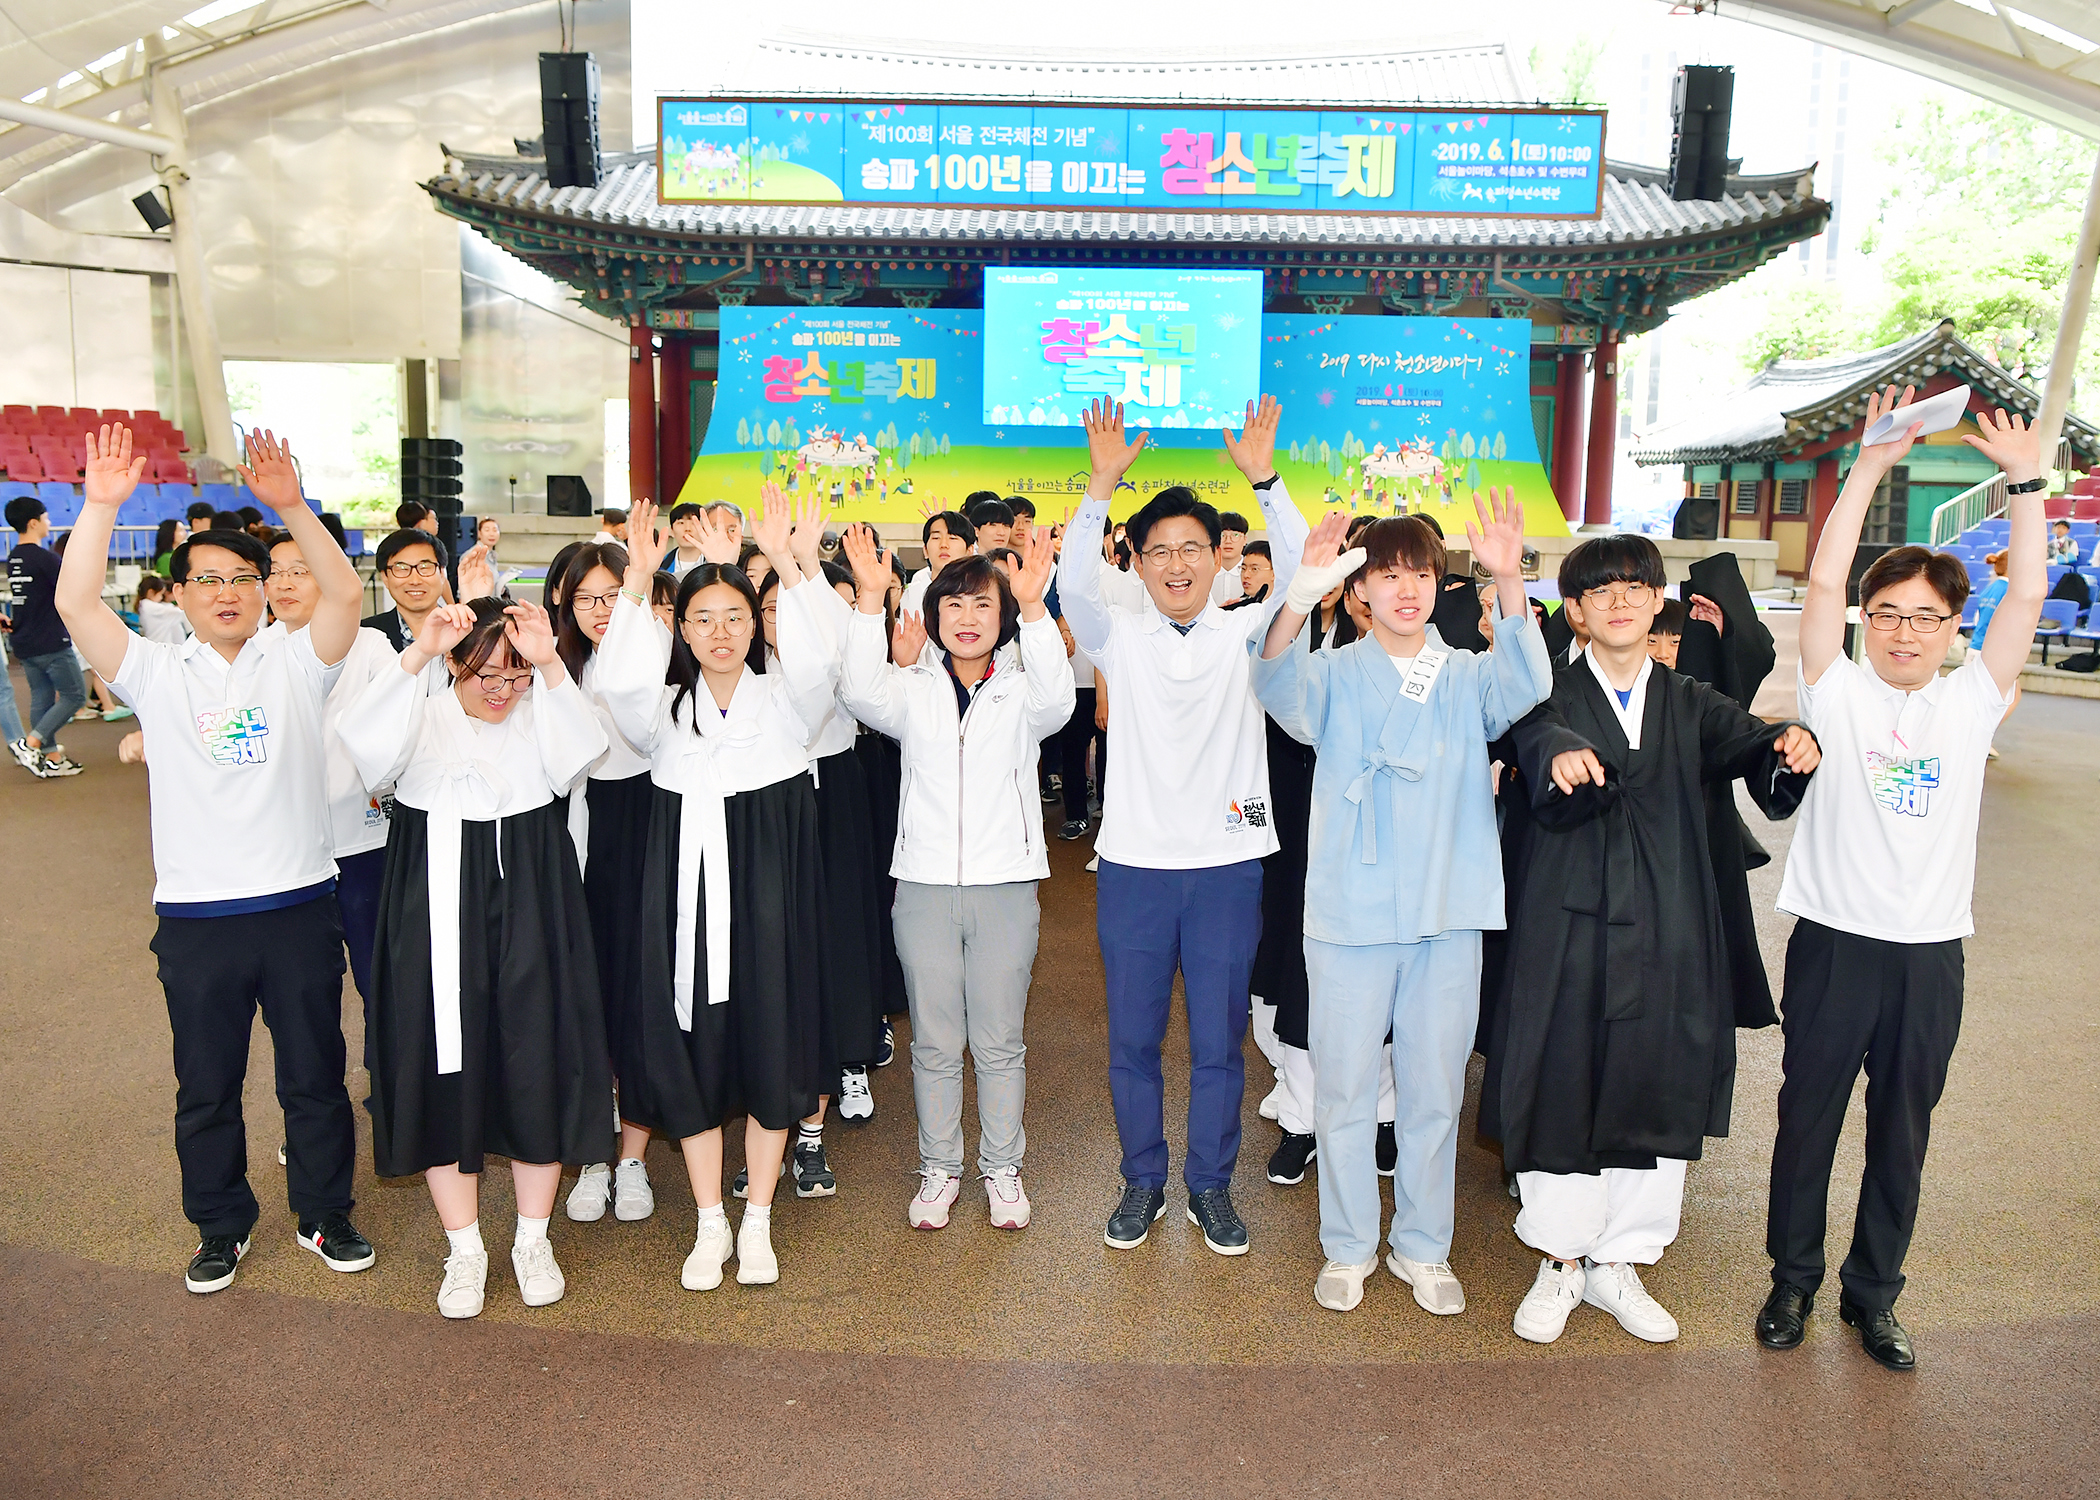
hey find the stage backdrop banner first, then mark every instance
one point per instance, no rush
(880, 411)
(1546, 163)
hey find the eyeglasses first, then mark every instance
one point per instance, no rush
(1634, 595)
(293, 571)
(736, 622)
(411, 570)
(503, 682)
(1188, 552)
(1925, 623)
(595, 601)
(212, 583)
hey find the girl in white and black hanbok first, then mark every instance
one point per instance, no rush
(489, 1037)
(730, 957)
(608, 822)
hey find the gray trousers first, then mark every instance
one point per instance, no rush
(967, 952)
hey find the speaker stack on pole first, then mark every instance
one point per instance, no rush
(1700, 103)
(430, 471)
(569, 118)
(1698, 519)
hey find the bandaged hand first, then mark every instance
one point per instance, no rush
(1315, 581)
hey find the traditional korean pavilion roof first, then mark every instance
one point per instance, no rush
(1793, 404)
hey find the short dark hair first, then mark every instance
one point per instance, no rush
(1175, 500)
(22, 510)
(199, 508)
(1232, 520)
(227, 520)
(957, 524)
(990, 511)
(1400, 541)
(479, 645)
(1432, 523)
(614, 516)
(232, 539)
(1946, 573)
(249, 515)
(1257, 549)
(972, 575)
(685, 667)
(1669, 620)
(1621, 558)
(334, 523)
(278, 537)
(998, 552)
(663, 588)
(407, 513)
(400, 541)
(971, 499)
(1021, 506)
(687, 508)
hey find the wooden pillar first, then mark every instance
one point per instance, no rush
(1604, 435)
(674, 418)
(1822, 499)
(641, 416)
(1568, 431)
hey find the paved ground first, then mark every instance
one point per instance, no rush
(893, 1362)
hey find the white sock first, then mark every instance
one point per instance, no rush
(755, 1214)
(713, 1213)
(630, 1161)
(806, 1132)
(466, 1241)
(530, 1230)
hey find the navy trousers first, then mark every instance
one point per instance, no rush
(1205, 923)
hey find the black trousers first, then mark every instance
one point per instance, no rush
(357, 882)
(215, 971)
(1896, 1009)
(1072, 740)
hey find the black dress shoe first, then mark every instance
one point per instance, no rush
(1388, 1149)
(1287, 1166)
(1784, 1317)
(1879, 1334)
(1134, 1216)
(1212, 1212)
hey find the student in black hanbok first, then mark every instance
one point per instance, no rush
(489, 1036)
(729, 961)
(1615, 1048)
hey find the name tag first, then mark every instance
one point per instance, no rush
(1422, 674)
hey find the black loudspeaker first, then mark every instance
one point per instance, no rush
(1701, 101)
(568, 495)
(1698, 519)
(569, 118)
(430, 473)
(152, 210)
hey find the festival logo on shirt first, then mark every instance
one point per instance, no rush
(1246, 812)
(1903, 786)
(235, 736)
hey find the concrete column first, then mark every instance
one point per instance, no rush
(1604, 435)
(192, 287)
(1568, 432)
(641, 416)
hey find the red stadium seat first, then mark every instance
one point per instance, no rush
(2057, 508)
(2086, 508)
(23, 466)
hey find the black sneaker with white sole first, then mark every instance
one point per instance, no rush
(741, 1187)
(1074, 828)
(886, 1049)
(813, 1175)
(1134, 1217)
(1388, 1150)
(336, 1240)
(1212, 1212)
(1287, 1166)
(218, 1257)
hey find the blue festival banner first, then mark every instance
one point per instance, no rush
(1546, 163)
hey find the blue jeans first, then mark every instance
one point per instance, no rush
(1207, 924)
(10, 717)
(55, 693)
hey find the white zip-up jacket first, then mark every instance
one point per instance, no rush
(969, 812)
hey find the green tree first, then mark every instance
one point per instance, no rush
(1501, 447)
(1465, 446)
(773, 433)
(743, 431)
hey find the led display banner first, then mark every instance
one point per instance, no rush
(1178, 348)
(1519, 163)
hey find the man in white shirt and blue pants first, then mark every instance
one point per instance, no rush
(1186, 823)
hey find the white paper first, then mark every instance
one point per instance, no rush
(1938, 413)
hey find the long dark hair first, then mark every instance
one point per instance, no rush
(551, 591)
(164, 539)
(570, 639)
(685, 667)
(478, 645)
(756, 654)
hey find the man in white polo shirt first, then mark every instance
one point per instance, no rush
(1880, 874)
(242, 848)
(1186, 821)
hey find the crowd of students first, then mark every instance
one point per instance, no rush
(673, 850)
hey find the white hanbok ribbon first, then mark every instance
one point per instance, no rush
(703, 851)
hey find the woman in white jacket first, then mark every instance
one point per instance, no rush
(969, 841)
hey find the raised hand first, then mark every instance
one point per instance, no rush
(772, 529)
(112, 473)
(2010, 443)
(477, 575)
(718, 544)
(1799, 747)
(909, 642)
(1323, 544)
(441, 630)
(1254, 451)
(870, 564)
(807, 537)
(269, 471)
(531, 634)
(1108, 455)
(1498, 541)
(1032, 579)
(1882, 457)
(1574, 768)
(1703, 608)
(646, 544)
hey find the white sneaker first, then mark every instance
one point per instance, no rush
(632, 1198)
(1339, 1286)
(593, 1192)
(1093, 866)
(756, 1265)
(1544, 1311)
(711, 1247)
(539, 1278)
(1272, 1102)
(855, 1101)
(1009, 1204)
(936, 1195)
(1436, 1289)
(1617, 1289)
(466, 1279)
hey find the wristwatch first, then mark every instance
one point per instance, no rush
(1263, 484)
(2027, 487)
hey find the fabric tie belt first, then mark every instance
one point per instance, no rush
(703, 851)
(463, 791)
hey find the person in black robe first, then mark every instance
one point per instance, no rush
(1614, 1053)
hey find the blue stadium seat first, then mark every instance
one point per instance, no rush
(2059, 619)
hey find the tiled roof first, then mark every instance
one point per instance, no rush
(1794, 402)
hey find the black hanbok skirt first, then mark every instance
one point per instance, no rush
(1279, 960)
(883, 761)
(612, 889)
(852, 977)
(535, 1082)
(760, 1052)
